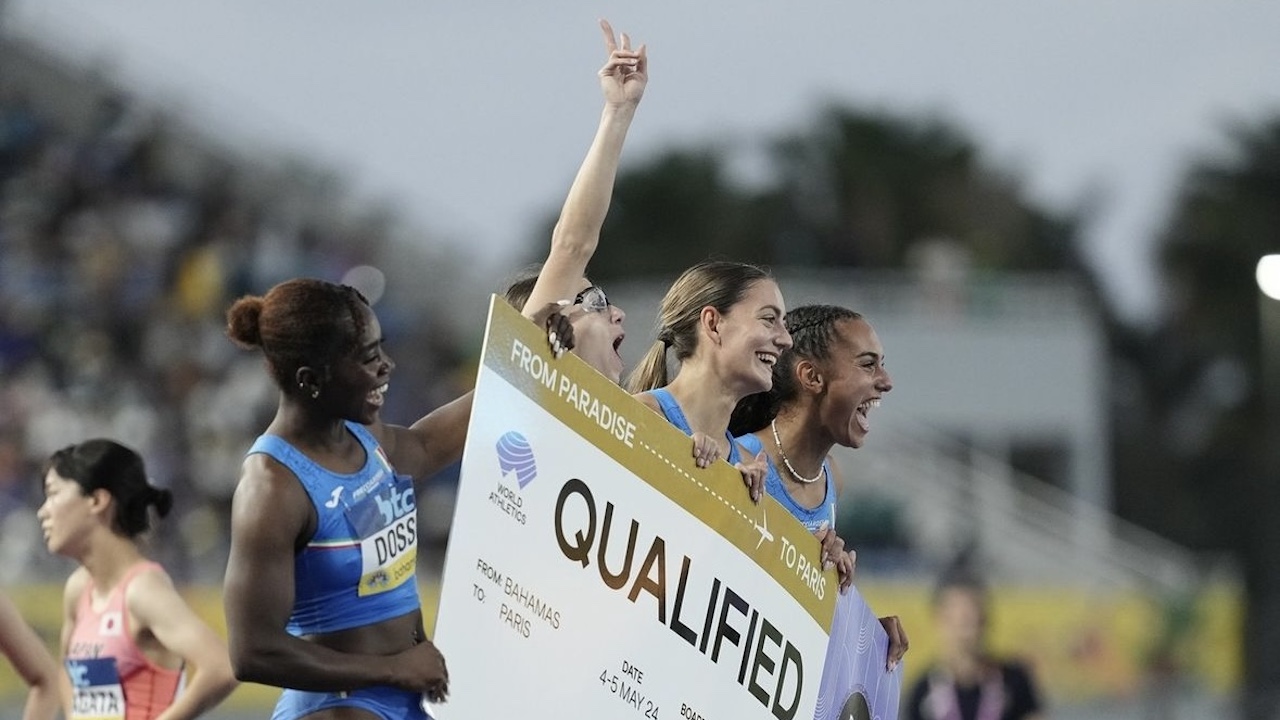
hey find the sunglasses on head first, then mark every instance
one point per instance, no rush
(592, 299)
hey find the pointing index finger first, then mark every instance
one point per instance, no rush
(610, 41)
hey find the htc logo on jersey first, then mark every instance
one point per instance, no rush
(395, 503)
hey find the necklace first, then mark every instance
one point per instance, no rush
(944, 697)
(822, 470)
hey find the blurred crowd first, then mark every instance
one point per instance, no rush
(117, 263)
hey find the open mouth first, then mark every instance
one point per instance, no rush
(377, 396)
(617, 343)
(861, 413)
(767, 358)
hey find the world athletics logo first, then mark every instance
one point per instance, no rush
(515, 456)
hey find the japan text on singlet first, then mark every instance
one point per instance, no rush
(111, 678)
(358, 567)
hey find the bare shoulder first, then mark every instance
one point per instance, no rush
(71, 592)
(837, 478)
(648, 400)
(387, 435)
(76, 584)
(269, 507)
(150, 579)
(269, 494)
(150, 586)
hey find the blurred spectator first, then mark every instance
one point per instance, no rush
(968, 682)
(121, 246)
(19, 533)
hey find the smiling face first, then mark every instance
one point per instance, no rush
(66, 516)
(597, 330)
(855, 381)
(752, 335)
(357, 383)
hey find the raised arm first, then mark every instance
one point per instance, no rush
(31, 660)
(436, 441)
(577, 233)
(432, 443)
(158, 607)
(270, 513)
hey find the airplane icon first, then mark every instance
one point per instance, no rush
(763, 529)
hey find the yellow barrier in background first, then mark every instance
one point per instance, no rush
(1083, 646)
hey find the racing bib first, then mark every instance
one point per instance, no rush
(96, 692)
(386, 521)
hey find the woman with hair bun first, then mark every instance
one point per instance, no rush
(320, 593)
(132, 646)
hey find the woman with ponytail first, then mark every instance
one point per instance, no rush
(724, 324)
(721, 322)
(132, 646)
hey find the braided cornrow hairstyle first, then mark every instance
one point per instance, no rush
(813, 330)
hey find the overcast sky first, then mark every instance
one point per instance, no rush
(474, 115)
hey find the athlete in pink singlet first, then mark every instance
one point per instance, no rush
(133, 648)
(104, 661)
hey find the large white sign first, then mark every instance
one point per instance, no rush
(593, 571)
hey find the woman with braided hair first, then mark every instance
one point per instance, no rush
(312, 606)
(824, 387)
